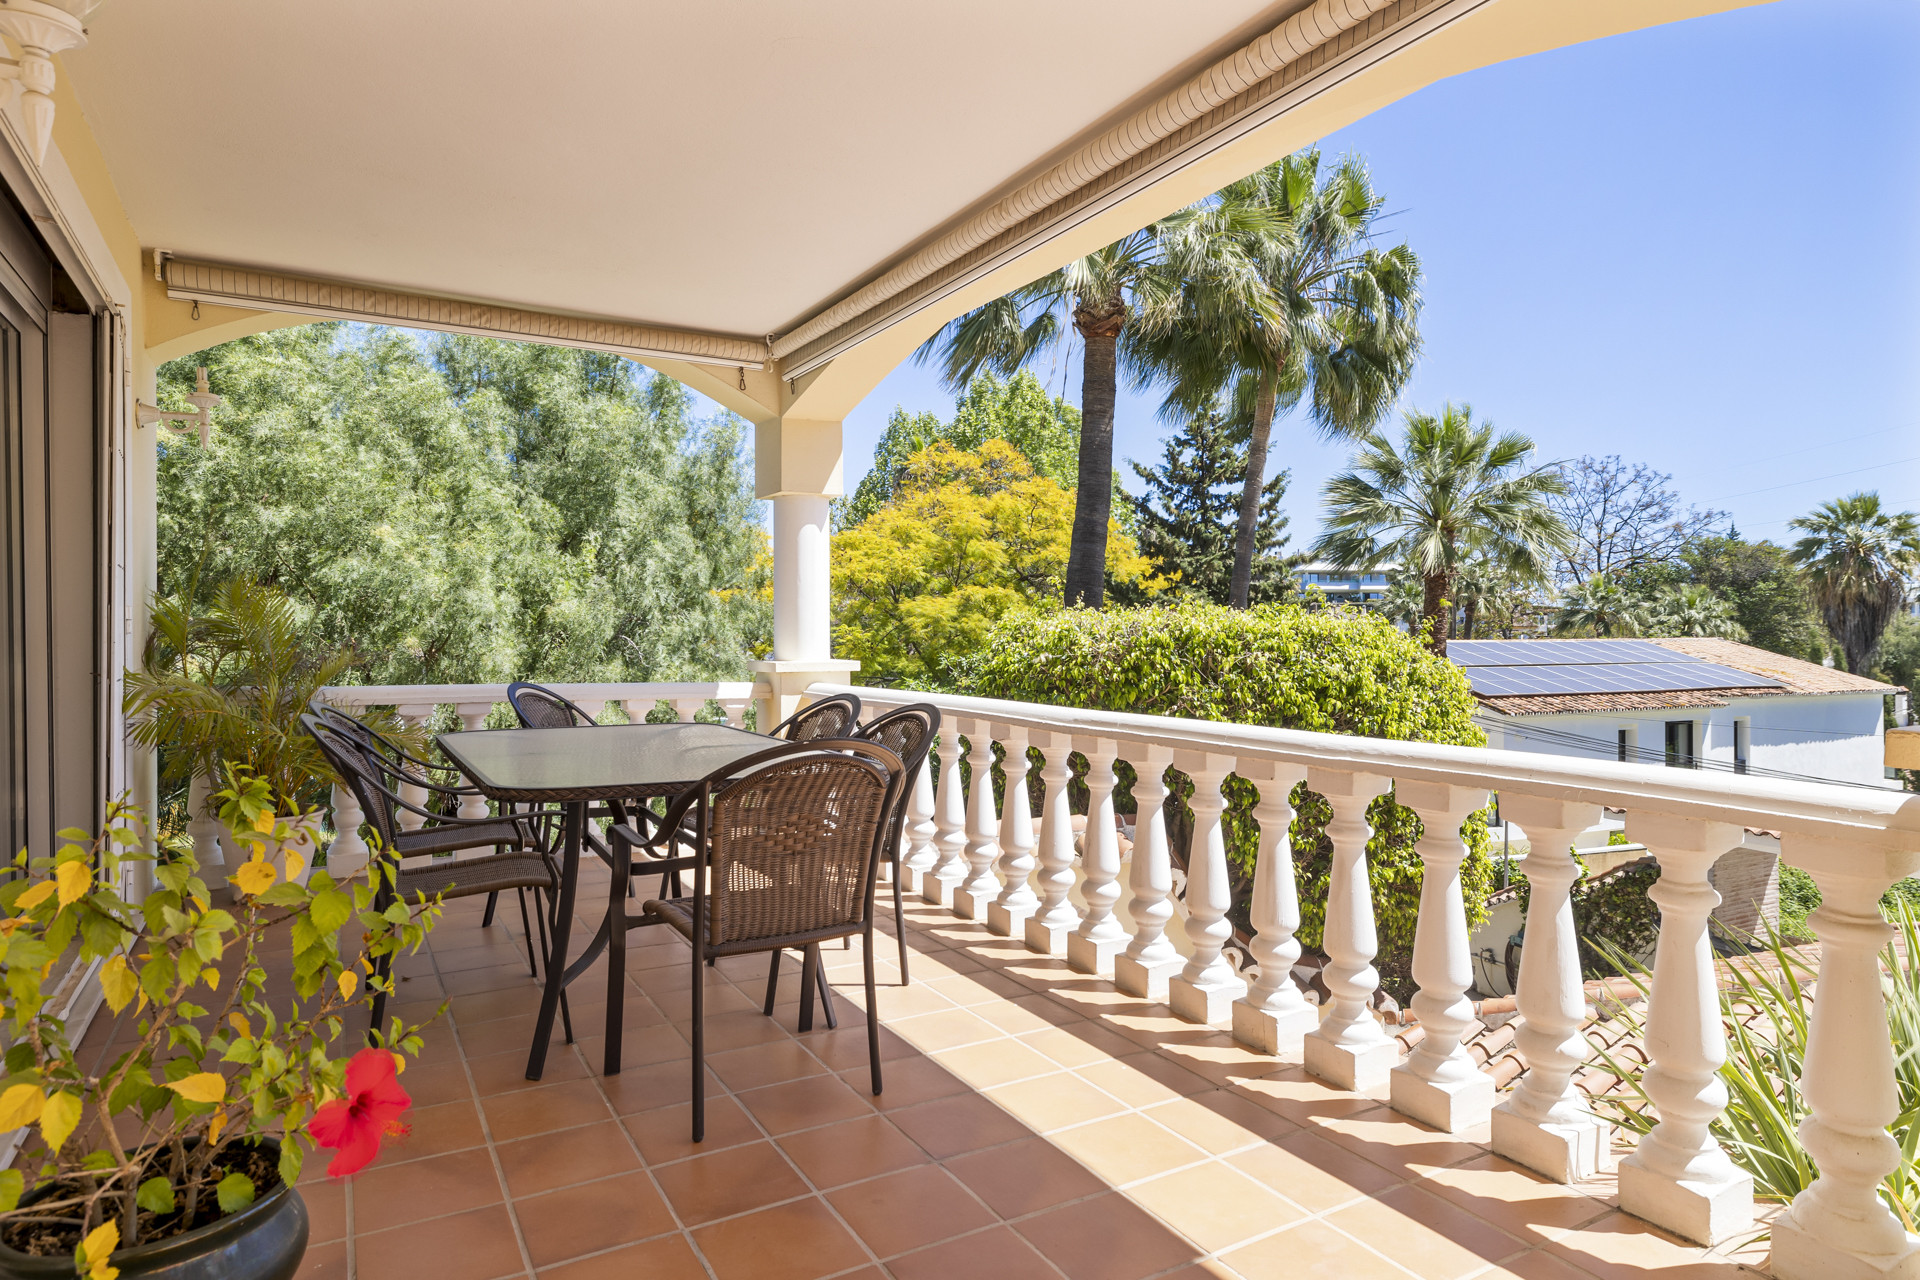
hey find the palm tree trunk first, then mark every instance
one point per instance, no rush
(1240, 592)
(1468, 617)
(1093, 499)
(1436, 611)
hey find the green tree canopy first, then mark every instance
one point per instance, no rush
(1188, 515)
(461, 509)
(1858, 559)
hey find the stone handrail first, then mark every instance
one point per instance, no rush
(1855, 842)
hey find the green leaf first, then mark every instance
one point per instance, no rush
(156, 1195)
(291, 1158)
(12, 1183)
(330, 910)
(235, 1192)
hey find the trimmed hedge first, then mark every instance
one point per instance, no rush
(1330, 670)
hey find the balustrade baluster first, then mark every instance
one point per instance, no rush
(736, 714)
(972, 896)
(1275, 1014)
(1546, 1124)
(348, 854)
(1678, 1177)
(1439, 1084)
(1046, 930)
(1839, 1228)
(473, 715)
(594, 707)
(413, 715)
(1349, 1048)
(636, 709)
(1150, 959)
(1100, 937)
(687, 708)
(950, 818)
(1007, 914)
(917, 863)
(1205, 990)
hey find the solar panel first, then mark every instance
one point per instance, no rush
(1543, 680)
(1529, 653)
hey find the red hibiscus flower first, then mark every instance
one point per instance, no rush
(354, 1125)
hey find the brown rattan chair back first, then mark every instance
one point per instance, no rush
(908, 732)
(541, 708)
(832, 717)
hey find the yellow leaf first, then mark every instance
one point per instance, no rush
(75, 879)
(35, 896)
(20, 1105)
(295, 864)
(241, 1024)
(214, 1126)
(118, 982)
(211, 977)
(263, 821)
(98, 1247)
(399, 1064)
(59, 1118)
(349, 981)
(205, 1086)
(255, 876)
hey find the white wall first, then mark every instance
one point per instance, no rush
(1836, 737)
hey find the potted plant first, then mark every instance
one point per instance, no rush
(179, 1156)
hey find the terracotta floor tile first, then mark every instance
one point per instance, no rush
(324, 1262)
(994, 1254)
(642, 1046)
(500, 1035)
(489, 1005)
(430, 1084)
(666, 1133)
(959, 1124)
(1026, 1015)
(499, 1073)
(1311, 1251)
(729, 1182)
(797, 1241)
(590, 1217)
(764, 1064)
(846, 1048)
(932, 1032)
(1143, 1079)
(864, 1147)
(722, 999)
(1126, 1148)
(326, 1209)
(909, 1209)
(1537, 1265)
(658, 1084)
(1302, 1099)
(1214, 1206)
(525, 1112)
(1106, 1238)
(927, 997)
(908, 1082)
(1393, 1141)
(984, 987)
(1024, 1177)
(1425, 1234)
(1054, 1102)
(734, 1030)
(1081, 1045)
(804, 1104)
(550, 1160)
(1618, 1247)
(995, 1062)
(668, 1258)
(1518, 1201)
(473, 1246)
(391, 1195)
(1232, 1124)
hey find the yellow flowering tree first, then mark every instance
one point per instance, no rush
(966, 537)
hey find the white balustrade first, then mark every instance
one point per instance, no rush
(1207, 987)
(1439, 1083)
(1350, 1048)
(473, 715)
(1150, 959)
(1100, 936)
(1054, 918)
(1678, 1177)
(1007, 914)
(950, 818)
(414, 715)
(971, 895)
(1546, 1124)
(1274, 1016)
(917, 862)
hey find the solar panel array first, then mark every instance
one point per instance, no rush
(1546, 668)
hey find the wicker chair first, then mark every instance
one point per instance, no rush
(907, 732)
(833, 717)
(520, 862)
(794, 837)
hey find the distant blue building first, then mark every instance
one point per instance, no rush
(1344, 586)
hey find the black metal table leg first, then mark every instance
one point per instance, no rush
(562, 928)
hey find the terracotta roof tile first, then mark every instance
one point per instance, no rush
(1792, 676)
(1796, 675)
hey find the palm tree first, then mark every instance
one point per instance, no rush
(1858, 559)
(1455, 493)
(1693, 610)
(1097, 295)
(1597, 607)
(1275, 294)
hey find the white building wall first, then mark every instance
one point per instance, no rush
(1836, 737)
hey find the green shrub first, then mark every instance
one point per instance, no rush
(1799, 895)
(1331, 670)
(1610, 915)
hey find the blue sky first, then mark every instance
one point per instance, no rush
(1693, 246)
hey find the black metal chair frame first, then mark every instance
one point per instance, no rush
(813, 710)
(687, 818)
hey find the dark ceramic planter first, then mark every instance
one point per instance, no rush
(264, 1241)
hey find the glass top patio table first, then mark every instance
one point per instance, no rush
(577, 766)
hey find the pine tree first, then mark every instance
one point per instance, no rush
(1186, 519)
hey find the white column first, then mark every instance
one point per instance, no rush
(921, 853)
(1092, 947)
(1205, 990)
(1275, 1014)
(473, 715)
(413, 716)
(1545, 1123)
(1838, 1228)
(950, 817)
(1678, 1177)
(1046, 930)
(1007, 913)
(971, 897)
(1440, 1084)
(1150, 959)
(802, 578)
(1349, 1048)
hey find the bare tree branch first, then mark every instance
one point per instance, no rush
(1623, 517)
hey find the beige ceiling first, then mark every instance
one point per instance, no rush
(726, 165)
